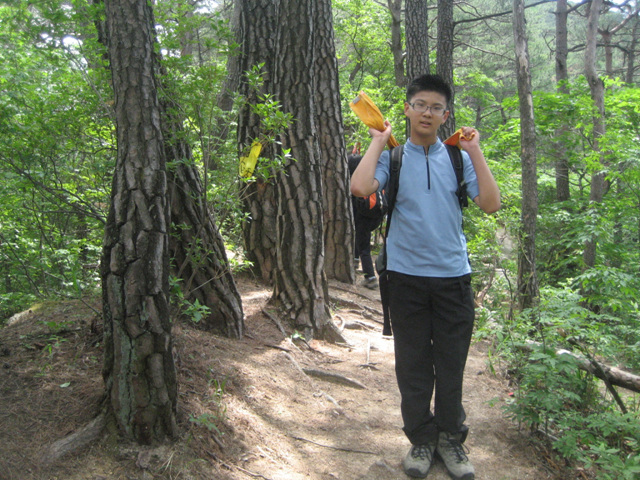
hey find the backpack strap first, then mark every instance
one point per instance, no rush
(393, 183)
(455, 155)
(392, 191)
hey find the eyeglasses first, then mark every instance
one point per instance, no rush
(421, 107)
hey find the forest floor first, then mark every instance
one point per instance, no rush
(264, 406)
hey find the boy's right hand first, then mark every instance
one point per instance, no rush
(381, 135)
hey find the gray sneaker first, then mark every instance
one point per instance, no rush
(418, 460)
(450, 450)
(371, 283)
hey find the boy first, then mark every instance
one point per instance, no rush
(431, 301)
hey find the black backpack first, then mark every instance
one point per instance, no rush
(374, 206)
(455, 155)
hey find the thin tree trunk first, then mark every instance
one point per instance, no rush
(596, 86)
(221, 126)
(527, 276)
(395, 8)
(337, 213)
(139, 372)
(631, 52)
(444, 55)
(562, 76)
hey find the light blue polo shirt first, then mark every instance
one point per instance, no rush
(425, 236)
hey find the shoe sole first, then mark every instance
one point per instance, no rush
(412, 472)
(466, 476)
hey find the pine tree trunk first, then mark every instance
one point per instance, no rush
(337, 211)
(395, 9)
(562, 75)
(417, 35)
(527, 276)
(631, 53)
(301, 288)
(139, 372)
(597, 94)
(444, 66)
(198, 253)
(257, 32)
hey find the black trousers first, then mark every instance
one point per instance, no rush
(432, 320)
(363, 227)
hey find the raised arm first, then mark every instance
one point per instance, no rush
(363, 182)
(488, 198)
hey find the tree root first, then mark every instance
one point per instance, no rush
(74, 442)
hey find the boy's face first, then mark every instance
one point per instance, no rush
(425, 124)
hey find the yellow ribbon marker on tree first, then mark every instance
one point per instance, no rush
(370, 114)
(248, 163)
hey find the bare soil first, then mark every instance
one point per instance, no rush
(268, 406)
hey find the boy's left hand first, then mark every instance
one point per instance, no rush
(470, 138)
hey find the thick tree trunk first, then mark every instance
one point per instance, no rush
(139, 372)
(301, 288)
(527, 277)
(337, 212)
(444, 53)
(257, 32)
(596, 86)
(562, 76)
(395, 9)
(417, 35)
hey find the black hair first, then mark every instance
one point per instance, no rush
(353, 161)
(432, 83)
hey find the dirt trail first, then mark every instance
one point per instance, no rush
(278, 420)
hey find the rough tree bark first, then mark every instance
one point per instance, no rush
(196, 245)
(417, 35)
(527, 277)
(138, 370)
(257, 31)
(444, 54)
(337, 212)
(301, 287)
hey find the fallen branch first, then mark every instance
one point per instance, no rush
(278, 347)
(333, 377)
(358, 325)
(600, 373)
(341, 449)
(613, 375)
(321, 392)
(232, 467)
(275, 320)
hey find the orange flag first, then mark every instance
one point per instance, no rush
(455, 138)
(370, 114)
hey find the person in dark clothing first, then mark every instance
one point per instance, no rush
(363, 228)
